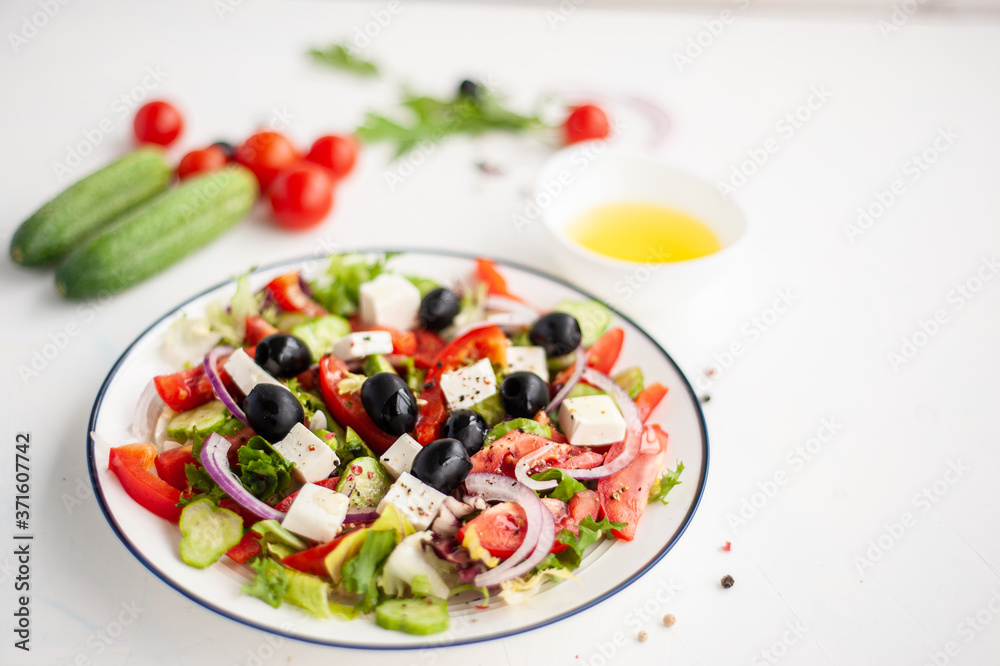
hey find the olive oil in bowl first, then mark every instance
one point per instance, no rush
(642, 232)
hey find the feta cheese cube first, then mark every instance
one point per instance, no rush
(312, 458)
(316, 513)
(390, 300)
(591, 420)
(466, 386)
(365, 343)
(399, 457)
(414, 499)
(246, 373)
(528, 359)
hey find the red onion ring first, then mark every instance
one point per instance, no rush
(579, 363)
(507, 304)
(527, 462)
(360, 515)
(538, 538)
(215, 459)
(147, 412)
(633, 428)
(219, 385)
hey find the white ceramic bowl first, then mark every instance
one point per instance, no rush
(591, 174)
(607, 568)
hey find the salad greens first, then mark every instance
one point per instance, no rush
(341, 56)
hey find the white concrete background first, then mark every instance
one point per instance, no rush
(844, 550)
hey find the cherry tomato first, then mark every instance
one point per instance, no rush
(584, 123)
(267, 154)
(204, 160)
(301, 196)
(336, 154)
(158, 122)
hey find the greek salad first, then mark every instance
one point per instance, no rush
(370, 443)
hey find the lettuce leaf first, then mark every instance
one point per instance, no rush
(263, 471)
(524, 425)
(568, 486)
(360, 573)
(271, 582)
(589, 532)
(664, 484)
(339, 291)
(231, 321)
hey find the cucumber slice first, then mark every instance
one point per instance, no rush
(631, 380)
(200, 421)
(207, 532)
(376, 363)
(593, 317)
(320, 334)
(413, 616)
(582, 389)
(365, 481)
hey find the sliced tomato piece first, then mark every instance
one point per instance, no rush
(347, 409)
(257, 328)
(131, 463)
(648, 399)
(246, 549)
(287, 293)
(185, 390)
(603, 354)
(624, 494)
(501, 527)
(583, 504)
(171, 464)
(487, 342)
(403, 342)
(285, 504)
(486, 271)
(501, 456)
(429, 345)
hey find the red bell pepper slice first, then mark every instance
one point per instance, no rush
(287, 293)
(486, 272)
(246, 549)
(403, 342)
(347, 409)
(131, 463)
(313, 560)
(487, 342)
(648, 399)
(429, 345)
(171, 466)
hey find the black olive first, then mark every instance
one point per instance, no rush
(523, 394)
(442, 464)
(389, 402)
(272, 410)
(467, 427)
(469, 88)
(283, 355)
(438, 308)
(228, 148)
(558, 332)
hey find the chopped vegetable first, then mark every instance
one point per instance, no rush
(207, 532)
(341, 56)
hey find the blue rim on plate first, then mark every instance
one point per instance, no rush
(98, 492)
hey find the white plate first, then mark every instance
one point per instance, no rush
(610, 567)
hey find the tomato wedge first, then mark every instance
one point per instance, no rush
(486, 272)
(501, 456)
(501, 527)
(648, 399)
(624, 494)
(601, 356)
(257, 328)
(487, 342)
(403, 342)
(287, 293)
(171, 465)
(131, 463)
(347, 409)
(185, 390)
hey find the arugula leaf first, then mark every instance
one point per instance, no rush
(590, 532)
(339, 291)
(263, 471)
(663, 485)
(525, 425)
(201, 482)
(433, 119)
(568, 486)
(360, 573)
(271, 582)
(341, 56)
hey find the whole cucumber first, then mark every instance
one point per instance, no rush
(159, 233)
(89, 205)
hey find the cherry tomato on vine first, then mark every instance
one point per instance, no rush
(158, 122)
(301, 196)
(267, 154)
(336, 154)
(584, 123)
(201, 161)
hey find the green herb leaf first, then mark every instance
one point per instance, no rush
(271, 582)
(524, 425)
(663, 485)
(263, 471)
(568, 486)
(360, 573)
(203, 485)
(590, 532)
(339, 291)
(341, 56)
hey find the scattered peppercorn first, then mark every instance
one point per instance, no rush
(643, 636)
(727, 581)
(706, 398)
(669, 620)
